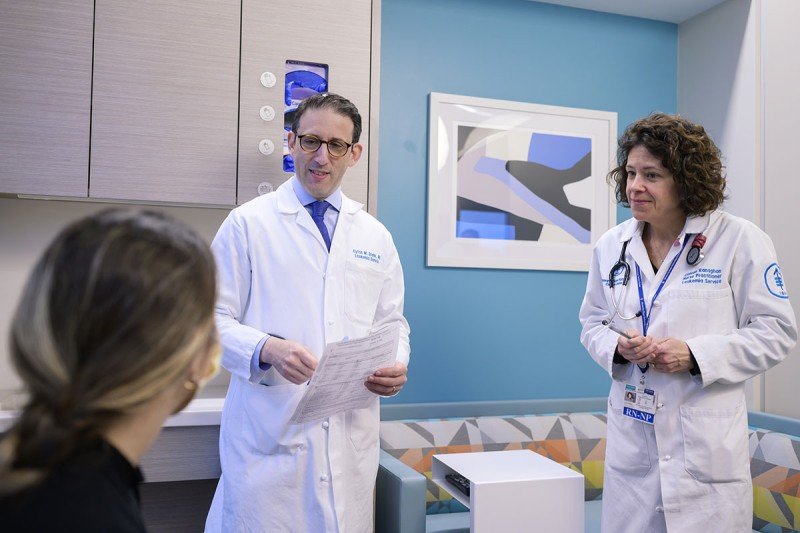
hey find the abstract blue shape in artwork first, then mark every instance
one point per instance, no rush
(483, 217)
(557, 151)
(476, 230)
(474, 224)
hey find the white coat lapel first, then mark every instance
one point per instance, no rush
(305, 221)
(637, 251)
(289, 205)
(695, 225)
(345, 222)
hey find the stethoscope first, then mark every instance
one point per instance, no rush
(694, 256)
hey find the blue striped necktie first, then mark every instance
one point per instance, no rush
(318, 209)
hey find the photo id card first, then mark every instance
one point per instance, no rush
(639, 403)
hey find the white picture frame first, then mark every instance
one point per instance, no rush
(517, 185)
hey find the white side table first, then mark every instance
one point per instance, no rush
(515, 491)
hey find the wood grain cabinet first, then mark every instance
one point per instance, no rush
(162, 101)
(336, 34)
(165, 101)
(45, 92)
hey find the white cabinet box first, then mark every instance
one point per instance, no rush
(515, 491)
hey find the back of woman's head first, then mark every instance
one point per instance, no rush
(113, 313)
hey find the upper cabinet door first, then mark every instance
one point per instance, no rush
(45, 92)
(165, 101)
(327, 32)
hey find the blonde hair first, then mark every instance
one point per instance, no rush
(113, 313)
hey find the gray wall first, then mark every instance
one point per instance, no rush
(738, 75)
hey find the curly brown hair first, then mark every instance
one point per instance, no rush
(685, 150)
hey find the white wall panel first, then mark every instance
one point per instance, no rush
(717, 86)
(781, 79)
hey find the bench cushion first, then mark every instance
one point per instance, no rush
(577, 440)
(775, 468)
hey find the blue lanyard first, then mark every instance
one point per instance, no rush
(642, 307)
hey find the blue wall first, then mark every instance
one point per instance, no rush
(480, 334)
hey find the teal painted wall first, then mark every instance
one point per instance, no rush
(484, 334)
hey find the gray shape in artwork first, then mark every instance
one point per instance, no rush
(548, 184)
(469, 136)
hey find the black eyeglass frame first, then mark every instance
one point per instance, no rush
(326, 143)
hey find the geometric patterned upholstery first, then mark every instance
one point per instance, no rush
(576, 440)
(775, 468)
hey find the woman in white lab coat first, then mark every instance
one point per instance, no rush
(701, 297)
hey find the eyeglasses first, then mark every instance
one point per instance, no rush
(311, 143)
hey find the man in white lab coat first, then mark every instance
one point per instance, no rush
(700, 300)
(299, 268)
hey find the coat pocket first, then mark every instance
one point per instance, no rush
(715, 444)
(264, 423)
(700, 312)
(362, 427)
(362, 289)
(627, 450)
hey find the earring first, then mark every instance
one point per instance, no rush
(190, 385)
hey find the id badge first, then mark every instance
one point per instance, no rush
(639, 403)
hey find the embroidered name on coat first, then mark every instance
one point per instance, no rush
(367, 256)
(709, 276)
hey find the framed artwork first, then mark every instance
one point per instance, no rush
(517, 185)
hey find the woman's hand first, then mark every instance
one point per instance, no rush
(638, 349)
(672, 355)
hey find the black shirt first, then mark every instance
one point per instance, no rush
(96, 490)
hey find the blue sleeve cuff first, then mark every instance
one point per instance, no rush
(257, 368)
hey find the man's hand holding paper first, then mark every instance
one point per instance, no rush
(350, 372)
(292, 360)
(388, 381)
